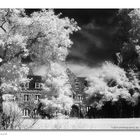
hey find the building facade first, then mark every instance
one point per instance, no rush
(78, 84)
(29, 96)
(32, 91)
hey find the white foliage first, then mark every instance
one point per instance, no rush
(64, 102)
(44, 36)
(61, 103)
(12, 109)
(99, 88)
(111, 71)
(13, 74)
(8, 97)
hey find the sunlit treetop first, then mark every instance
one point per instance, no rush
(43, 34)
(111, 83)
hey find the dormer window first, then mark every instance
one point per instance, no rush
(38, 85)
(25, 86)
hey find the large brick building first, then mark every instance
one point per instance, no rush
(29, 95)
(32, 91)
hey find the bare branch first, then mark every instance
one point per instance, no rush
(3, 27)
(5, 20)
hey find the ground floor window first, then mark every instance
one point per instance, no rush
(88, 108)
(35, 113)
(26, 112)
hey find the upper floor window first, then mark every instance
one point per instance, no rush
(78, 97)
(37, 97)
(26, 97)
(38, 85)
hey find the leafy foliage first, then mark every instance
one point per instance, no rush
(128, 38)
(11, 115)
(111, 84)
(44, 38)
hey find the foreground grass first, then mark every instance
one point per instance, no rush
(88, 124)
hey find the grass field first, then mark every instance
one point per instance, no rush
(85, 124)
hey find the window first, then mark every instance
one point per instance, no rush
(85, 83)
(70, 96)
(77, 86)
(88, 107)
(26, 112)
(37, 97)
(80, 98)
(26, 97)
(25, 86)
(77, 98)
(38, 85)
(35, 113)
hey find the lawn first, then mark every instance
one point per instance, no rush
(85, 124)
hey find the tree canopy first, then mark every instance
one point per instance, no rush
(43, 38)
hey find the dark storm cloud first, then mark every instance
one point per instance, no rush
(94, 43)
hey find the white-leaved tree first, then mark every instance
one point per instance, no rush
(43, 37)
(111, 83)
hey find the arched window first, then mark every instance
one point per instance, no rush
(26, 112)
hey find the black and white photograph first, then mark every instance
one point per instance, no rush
(69, 69)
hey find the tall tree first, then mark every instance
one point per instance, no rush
(43, 37)
(111, 84)
(128, 38)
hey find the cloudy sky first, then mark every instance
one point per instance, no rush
(94, 43)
